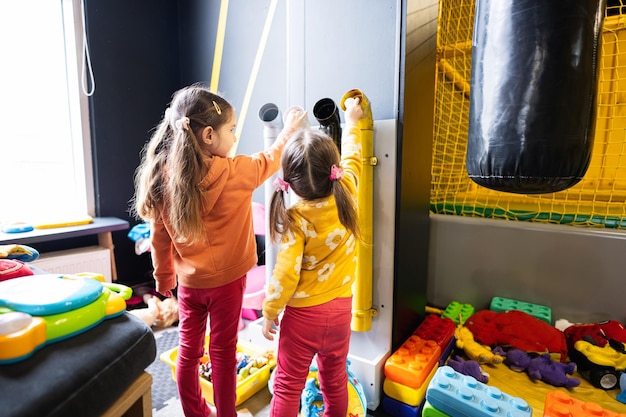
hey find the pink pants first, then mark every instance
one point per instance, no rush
(223, 306)
(323, 330)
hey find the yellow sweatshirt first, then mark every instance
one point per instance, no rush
(317, 263)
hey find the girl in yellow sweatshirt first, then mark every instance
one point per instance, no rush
(315, 266)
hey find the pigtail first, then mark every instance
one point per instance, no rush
(280, 219)
(346, 209)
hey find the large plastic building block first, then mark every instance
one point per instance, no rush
(439, 329)
(461, 395)
(456, 310)
(407, 395)
(499, 304)
(429, 411)
(413, 361)
(397, 408)
(561, 404)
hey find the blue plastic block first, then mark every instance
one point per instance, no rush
(460, 395)
(397, 408)
(447, 350)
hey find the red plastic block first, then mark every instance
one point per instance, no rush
(561, 404)
(439, 329)
(411, 364)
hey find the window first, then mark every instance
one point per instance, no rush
(45, 152)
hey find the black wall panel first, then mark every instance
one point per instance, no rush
(135, 56)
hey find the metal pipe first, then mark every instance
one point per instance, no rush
(327, 114)
(362, 311)
(272, 125)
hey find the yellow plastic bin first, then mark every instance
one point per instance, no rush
(246, 386)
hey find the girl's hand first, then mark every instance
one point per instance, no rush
(294, 120)
(166, 293)
(268, 330)
(354, 112)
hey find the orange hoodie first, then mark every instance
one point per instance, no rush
(231, 249)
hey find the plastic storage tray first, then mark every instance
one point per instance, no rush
(246, 387)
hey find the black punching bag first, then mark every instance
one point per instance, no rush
(535, 67)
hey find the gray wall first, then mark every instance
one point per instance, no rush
(314, 50)
(577, 272)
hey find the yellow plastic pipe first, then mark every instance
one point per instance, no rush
(362, 311)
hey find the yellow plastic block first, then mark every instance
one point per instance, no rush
(408, 395)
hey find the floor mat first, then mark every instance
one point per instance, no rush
(164, 392)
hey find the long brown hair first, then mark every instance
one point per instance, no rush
(173, 162)
(306, 166)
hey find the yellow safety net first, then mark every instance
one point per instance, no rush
(599, 200)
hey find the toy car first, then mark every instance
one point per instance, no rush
(601, 365)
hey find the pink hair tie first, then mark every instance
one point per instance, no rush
(336, 173)
(281, 185)
(182, 123)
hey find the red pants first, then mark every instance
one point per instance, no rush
(323, 330)
(223, 306)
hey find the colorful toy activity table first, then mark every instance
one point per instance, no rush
(41, 309)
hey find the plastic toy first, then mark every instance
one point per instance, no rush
(17, 227)
(598, 333)
(439, 329)
(429, 411)
(560, 403)
(621, 397)
(457, 312)
(459, 395)
(602, 365)
(500, 304)
(41, 309)
(21, 253)
(542, 368)
(474, 350)
(397, 408)
(410, 396)
(12, 268)
(247, 385)
(519, 330)
(470, 367)
(160, 313)
(312, 403)
(65, 222)
(412, 362)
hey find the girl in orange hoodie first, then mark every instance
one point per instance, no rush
(198, 202)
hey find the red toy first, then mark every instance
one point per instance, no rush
(542, 368)
(517, 329)
(598, 333)
(12, 268)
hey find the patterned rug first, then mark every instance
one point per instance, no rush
(164, 393)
